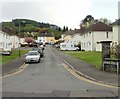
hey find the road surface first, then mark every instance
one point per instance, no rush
(50, 78)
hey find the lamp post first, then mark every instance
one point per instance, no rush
(20, 36)
(19, 39)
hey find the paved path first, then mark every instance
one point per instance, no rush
(89, 70)
(13, 65)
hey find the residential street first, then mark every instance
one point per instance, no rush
(50, 78)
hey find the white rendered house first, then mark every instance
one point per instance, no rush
(76, 38)
(5, 43)
(116, 31)
(14, 39)
(92, 36)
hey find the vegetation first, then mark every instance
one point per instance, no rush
(24, 26)
(94, 58)
(105, 20)
(89, 21)
(65, 28)
(14, 55)
(115, 50)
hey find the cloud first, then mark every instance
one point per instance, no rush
(59, 12)
(68, 12)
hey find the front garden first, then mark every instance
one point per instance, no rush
(14, 55)
(92, 57)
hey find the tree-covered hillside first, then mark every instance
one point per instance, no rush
(23, 26)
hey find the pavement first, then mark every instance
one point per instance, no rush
(89, 71)
(13, 65)
(82, 68)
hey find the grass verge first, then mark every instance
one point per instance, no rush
(94, 58)
(14, 55)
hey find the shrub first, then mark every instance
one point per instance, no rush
(116, 50)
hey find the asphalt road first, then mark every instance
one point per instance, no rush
(49, 78)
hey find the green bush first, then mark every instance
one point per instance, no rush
(116, 50)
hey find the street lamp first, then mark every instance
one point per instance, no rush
(20, 36)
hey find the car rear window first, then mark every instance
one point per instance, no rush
(33, 53)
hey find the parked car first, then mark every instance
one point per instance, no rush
(40, 50)
(68, 46)
(6, 53)
(57, 45)
(32, 56)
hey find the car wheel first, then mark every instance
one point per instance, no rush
(39, 61)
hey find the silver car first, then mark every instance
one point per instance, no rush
(32, 56)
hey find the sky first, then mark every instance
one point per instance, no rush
(59, 12)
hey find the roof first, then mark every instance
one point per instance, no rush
(116, 22)
(8, 31)
(77, 31)
(100, 26)
(46, 34)
(69, 32)
(83, 30)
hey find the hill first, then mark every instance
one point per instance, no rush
(23, 26)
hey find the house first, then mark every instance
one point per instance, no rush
(23, 42)
(76, 37)
(66, 36)
(5, 43)
(9, 40)
(90, 37)
(72, 36)
(116, 31)
(14, 40)
(46, 37)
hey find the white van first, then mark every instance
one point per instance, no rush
(68, 46)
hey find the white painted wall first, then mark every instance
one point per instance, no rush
(42, 39)
(62, 36)
(5, 43)
(67, 38)
(116, 33)
(76, 38)
(22, 41)
(89, 40)
(86, 41)
(101, 36)
(14, 41)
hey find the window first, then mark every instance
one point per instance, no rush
(89, 43)
(89, 33)
(106, 34)
(71, 45)
(63, 45)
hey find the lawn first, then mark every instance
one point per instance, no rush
(14, 55)
(94, 58)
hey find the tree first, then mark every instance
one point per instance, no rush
(105, 20)
(87, 21)
(56, 33)
(59, 29)
(29, 40)
(9, 26)
(65, 28)
(116, 50)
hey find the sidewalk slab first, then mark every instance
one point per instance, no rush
(89, 70)
(13, 65)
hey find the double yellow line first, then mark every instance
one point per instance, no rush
(85, 79)
(19, 70)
